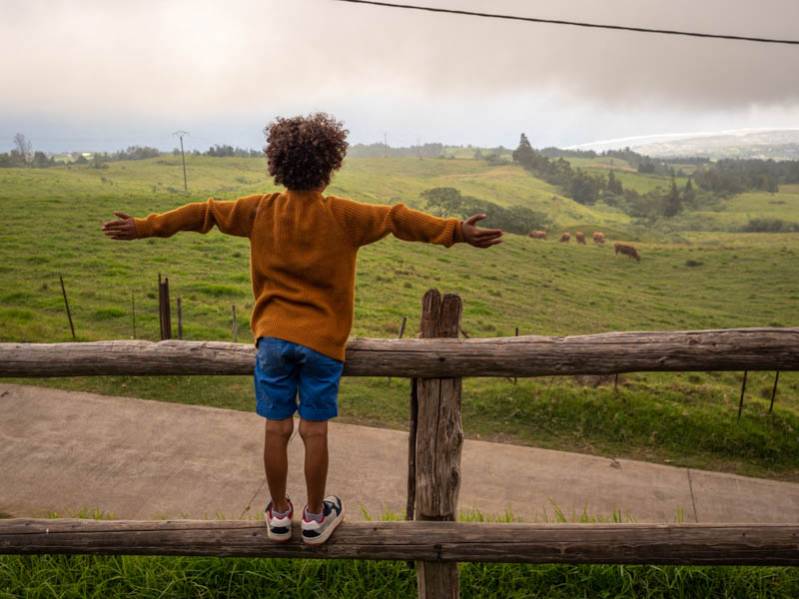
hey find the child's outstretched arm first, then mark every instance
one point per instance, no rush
(234, 217)
(369, 222)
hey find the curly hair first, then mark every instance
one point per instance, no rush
(302, 152)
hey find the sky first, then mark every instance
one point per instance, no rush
(99, 75)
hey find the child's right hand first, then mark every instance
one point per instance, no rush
(477, 236)
(123, 229)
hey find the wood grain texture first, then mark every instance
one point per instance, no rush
(526, 355)
(701, 544)
(438, 442)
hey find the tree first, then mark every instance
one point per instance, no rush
(443, 201)
(672, 203)
(524, 154)
(40, 160)
(23, 146)
(614, 185)
(688, 193)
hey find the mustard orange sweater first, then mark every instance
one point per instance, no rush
(303, 248)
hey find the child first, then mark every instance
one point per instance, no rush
(303, 248)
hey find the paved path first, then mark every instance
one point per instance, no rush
(64, 451)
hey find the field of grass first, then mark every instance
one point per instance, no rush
(51, 226)
(100, 577)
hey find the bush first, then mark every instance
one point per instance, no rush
(769, 225)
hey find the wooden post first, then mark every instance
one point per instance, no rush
(774, 391)
(66, 303)
(439, 439)
(180, 318)
(741, 402)
(164, 312)
(399, 336)
(133, 311)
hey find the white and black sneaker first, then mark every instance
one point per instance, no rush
(278, 524)
(316, 532)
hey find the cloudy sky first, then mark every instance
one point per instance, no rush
(103, 75)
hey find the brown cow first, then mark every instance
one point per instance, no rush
(627, 250)
(598, 237)
(580, 237)
(564, 237)
(537, 234)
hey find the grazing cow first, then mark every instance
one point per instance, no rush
(627, 250)
(598, 237)
(580, 237)
(564, 237)
(537, 234)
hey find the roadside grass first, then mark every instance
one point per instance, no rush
(100, 577)
(84, 576)
(51, 225)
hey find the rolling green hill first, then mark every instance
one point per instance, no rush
(51, 225)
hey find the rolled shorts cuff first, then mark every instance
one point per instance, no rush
(318, 414)
(274, 412)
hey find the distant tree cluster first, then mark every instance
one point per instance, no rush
(582, 187)
(223, 151)
(713, 180)
(448, 201)
(770, 225)
(378, 150)
(731, 176)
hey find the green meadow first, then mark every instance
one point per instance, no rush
(690, 278)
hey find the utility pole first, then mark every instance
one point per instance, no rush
(180, 134)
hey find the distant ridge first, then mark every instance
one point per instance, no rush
(776, 144)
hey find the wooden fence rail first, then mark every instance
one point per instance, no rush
(528, 355)
(706, 544)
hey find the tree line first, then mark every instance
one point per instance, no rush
(713, 180)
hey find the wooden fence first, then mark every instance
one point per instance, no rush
(436, 362)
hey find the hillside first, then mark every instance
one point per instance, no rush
(51, 226)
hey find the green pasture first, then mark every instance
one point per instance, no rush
(51, 226)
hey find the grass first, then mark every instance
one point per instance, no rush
(84, 577)
(51, 226)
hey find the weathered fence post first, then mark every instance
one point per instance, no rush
(133, 312)
(180, 318)
(439, 439)
(164, 312)
(66, 304)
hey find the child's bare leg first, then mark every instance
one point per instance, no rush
(314, 435)
(276, 463)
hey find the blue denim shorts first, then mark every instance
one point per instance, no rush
(283, 368)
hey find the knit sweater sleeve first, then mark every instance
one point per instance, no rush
(367, 223)
(234, 217)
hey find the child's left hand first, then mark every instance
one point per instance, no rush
(478, 236)
(123, 229)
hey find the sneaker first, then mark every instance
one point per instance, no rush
(316, 533)
(278, 527)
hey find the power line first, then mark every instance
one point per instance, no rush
(764, 40)
(180, 134)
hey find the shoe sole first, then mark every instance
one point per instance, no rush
(329, 531)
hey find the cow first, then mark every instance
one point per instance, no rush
(627, 250)
(564, 237)
(580, 237)
(598, 237)
(537, 234)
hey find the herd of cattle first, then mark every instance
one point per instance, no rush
(597, 236)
